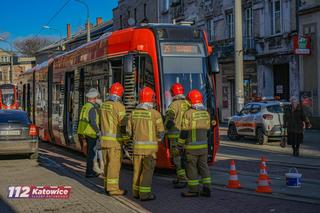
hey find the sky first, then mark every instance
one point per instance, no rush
(24, 18)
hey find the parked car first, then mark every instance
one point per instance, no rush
(17, 134)
(263, 120)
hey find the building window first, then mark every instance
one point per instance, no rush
(248, 29)
(210, 29)
(165, 6)
(121, 23)
(230, 24)
(145, 11)
(275, 8)
(135, 15)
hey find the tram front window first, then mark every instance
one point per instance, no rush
(189, 72)
(7, 99)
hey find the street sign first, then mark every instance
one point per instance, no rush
(302, 45)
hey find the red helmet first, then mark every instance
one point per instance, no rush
(146, 95)
(116, 89)
(195, 97)
(177, 89)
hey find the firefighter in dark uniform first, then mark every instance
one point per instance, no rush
(194, 140)
(145, 126)
(112, 115)
(89, 127)
(173, 120)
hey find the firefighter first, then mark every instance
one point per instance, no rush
(145, 126)
(89, 128)
(194, 140)
(173, 120)
(112, 115)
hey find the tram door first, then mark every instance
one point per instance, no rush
(68, 117)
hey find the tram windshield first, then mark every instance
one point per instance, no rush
(7, 97)
(185, 64)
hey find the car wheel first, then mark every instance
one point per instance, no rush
(34, 155)
(261, 137)
(232, 133)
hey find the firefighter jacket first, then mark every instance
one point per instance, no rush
(112, 116)
(194, 131)
(86, 126)
(174, 116)
(146, 128)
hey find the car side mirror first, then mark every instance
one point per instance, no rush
(214, 64)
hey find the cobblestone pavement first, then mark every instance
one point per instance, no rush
(84, 196)
(168, 199)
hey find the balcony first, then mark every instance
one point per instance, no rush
(225, 47)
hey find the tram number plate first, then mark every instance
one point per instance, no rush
(10, 132)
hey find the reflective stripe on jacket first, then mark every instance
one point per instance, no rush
(196, 123)
(112, 118)
(84, 127)
(146, 128)
(175, 114)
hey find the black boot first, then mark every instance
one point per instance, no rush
(190, 194)
(294, 151)
(179, 184)
(150, 197)
(206, 192)
(297, 152)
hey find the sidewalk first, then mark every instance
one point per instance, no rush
(24, 172)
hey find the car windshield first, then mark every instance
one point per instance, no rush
(186, 68)
(277, 108)
(14, 117)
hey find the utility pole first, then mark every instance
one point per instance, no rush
(88, 19)
(238, 55)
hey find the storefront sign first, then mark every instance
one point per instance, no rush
(302, 45)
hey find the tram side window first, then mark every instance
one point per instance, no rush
(146, 73)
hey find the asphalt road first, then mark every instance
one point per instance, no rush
(58, 166)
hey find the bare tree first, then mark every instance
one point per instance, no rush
(30, 45)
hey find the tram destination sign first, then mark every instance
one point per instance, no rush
(181, 49)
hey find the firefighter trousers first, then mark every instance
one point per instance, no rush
(178, 161)
(197, 165)
(143, 168)
(112, 159)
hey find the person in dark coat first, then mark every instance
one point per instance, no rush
(295, 121)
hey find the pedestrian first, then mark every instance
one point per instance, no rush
(89, 127)
(172, 122)
(145, 126)
(295, 121)
(194, 140)
(112, 115)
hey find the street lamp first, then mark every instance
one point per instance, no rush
(11, 58)
(55, 29)
(88, 19)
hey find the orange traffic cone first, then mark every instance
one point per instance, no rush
(263, 170)
(264, 161)
(263, 167)
(233, 182)
(263, 181)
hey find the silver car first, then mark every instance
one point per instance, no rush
(17, 134)
(262, 120)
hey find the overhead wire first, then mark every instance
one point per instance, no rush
(55, 15)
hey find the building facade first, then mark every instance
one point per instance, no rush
(20, 64)
(309, 25)
(269, 27)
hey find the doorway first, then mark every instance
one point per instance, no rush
(281, 81)
(69, 108)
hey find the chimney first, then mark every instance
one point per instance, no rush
(68, 31)
(99, 20)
